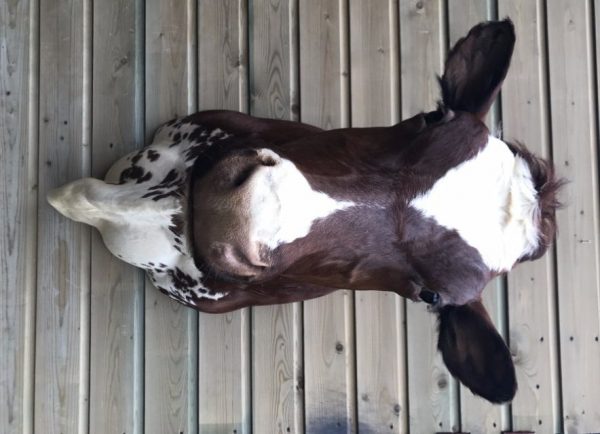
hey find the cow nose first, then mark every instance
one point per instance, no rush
(248, 168)
(233, 261)
(243, 176)
(429, 297)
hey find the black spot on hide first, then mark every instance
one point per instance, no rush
(153, 155)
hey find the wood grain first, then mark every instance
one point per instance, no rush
(18, 212)
(117, 288)
(63, 245)
(224, 357)
(224, 373)
(329, 377)
(432, 392)
(381, 381)
(531, 286)
(575, 151)
(223, 59)
(171, 342)
(273, 92)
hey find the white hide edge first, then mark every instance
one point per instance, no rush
(490, 200)
(136, 228)
(132, 228)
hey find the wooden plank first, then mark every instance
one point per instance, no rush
(273, 92)
(224, 357)
(63, 245)
(117, 288)
(223, 66)
(277, 384)
(224, 392)
(380, 351)
(171, 342)
(531, 286)
(19, 52)
(477, 414)
(329, 378)
(574, 144)
(432, 391)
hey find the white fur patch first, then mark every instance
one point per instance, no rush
(490, 200)
(132, 228)
(283, 206)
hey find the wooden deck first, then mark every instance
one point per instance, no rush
(87, 345)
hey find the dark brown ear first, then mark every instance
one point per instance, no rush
(475, 353)
(476, 67)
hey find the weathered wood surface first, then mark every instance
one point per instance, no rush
(19, 54)
(575, 150)
(102, 351)
(63, 246)
(117, 289)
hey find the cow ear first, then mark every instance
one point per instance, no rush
(476, 67)
(475, 353)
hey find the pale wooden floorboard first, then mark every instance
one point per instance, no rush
(117, 289)
(18, 212)
(63, 263)
(575, 150)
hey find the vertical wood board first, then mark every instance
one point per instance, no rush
(63, 262)
(575, 150)
(117, 288)
(18, 212)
